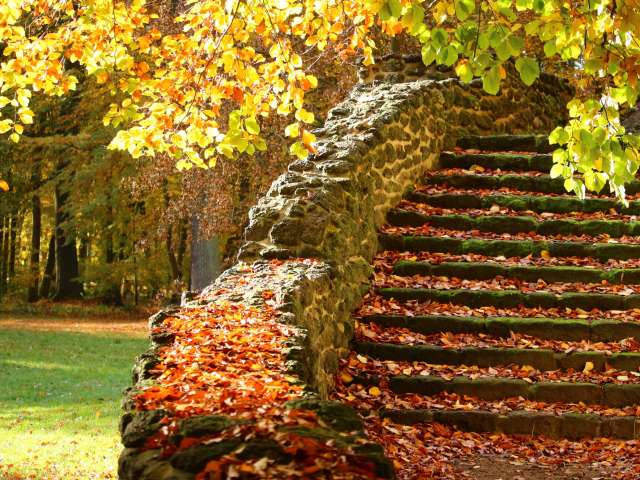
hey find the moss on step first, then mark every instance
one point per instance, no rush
(544, 328)
(515, 143)
(494, 161)
(490, 270)
(534, 203)
(541, 359)
(574, 426)
(515, 298)
(524, 183)
(515, 224)
(510, 248)
(500, 388)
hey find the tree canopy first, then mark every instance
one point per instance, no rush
(194, 80)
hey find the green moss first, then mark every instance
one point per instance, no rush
(336, 414)
(510, 248)
(515, 224)
(194, 459)
(489, 270)
(517, 143)
(542, 184)
(512, 299)
(629, 361)
(588, 393)
(496, 161)
(546, 328)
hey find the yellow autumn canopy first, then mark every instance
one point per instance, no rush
(196, 83)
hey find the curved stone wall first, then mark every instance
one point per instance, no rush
(309, 244)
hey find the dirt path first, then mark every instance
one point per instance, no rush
(492, 467)
(134, 327)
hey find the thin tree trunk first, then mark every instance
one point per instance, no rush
(4, 253)
(173, 263)
(205, 258)
(16, 226)
(34, 257)
(85, 248)
(49, 269)
(183, 231)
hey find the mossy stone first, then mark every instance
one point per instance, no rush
(335, 414)
(195, 458)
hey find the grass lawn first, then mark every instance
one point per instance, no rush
(60, 390)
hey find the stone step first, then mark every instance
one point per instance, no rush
(529, 273)
(510, 248)
(540, 359)
(524, 183)
(503, 161)
(515, 224)
(515, 298)
(543, 328)
(507, 143)
(573, 426)
(499, 388)
(535, 203)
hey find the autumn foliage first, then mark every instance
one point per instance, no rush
(195, 79)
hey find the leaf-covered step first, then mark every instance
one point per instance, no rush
(510, 248)
(498, 388)
(521, 182)
(490, 270)
(535, 203)
(503, 161)
(544, 328)
(540, 359)
(507, 143)
(375, 304)
(515, 224)
(385, 260)
(573, 426)
(496, 210)
(373, 332)
(514, 298)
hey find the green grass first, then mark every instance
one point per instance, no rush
(60, 402)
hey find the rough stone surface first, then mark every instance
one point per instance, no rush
(329, 207)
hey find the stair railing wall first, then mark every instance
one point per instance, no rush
(311, 238)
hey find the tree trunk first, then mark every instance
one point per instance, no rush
(112, 294)
(4, 253)
(175, 271)
(34, 257)
(16, 226)
(49, 269)
(85, 248)
(67, 284)
(183, 231)
(205, 258)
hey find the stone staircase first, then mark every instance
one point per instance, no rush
(503, 304)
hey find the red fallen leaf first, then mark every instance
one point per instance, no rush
(189, 442)
(213, 467)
